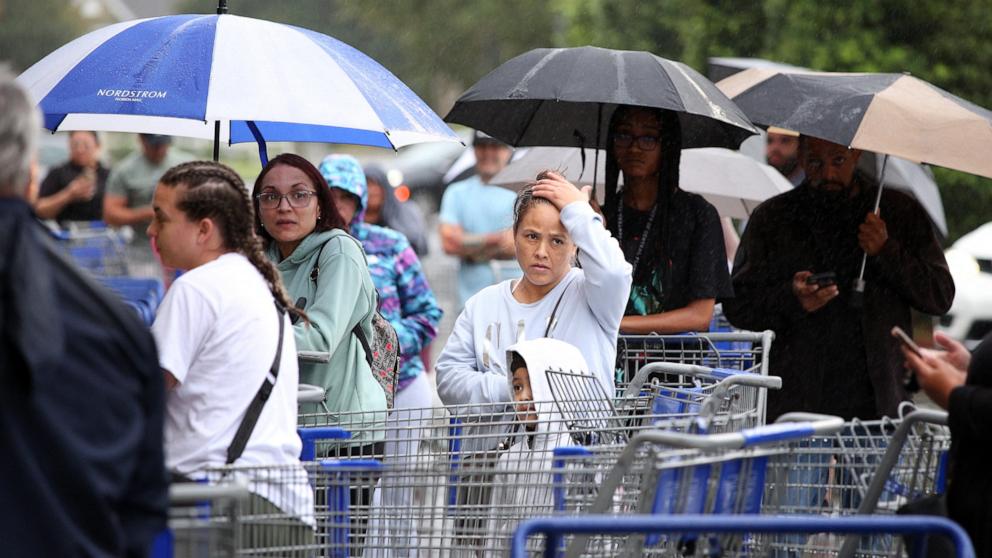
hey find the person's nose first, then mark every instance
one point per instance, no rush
(283, 204)
(542, 250)
(832, 173)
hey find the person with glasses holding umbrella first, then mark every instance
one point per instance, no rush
(672, 238)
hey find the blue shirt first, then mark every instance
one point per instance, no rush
(478, 209)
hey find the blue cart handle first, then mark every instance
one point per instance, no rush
(310, 437)
(555, 527)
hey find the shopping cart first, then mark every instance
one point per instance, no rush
(682, 396)
(694, 398)
(914, 465)
(202, 521)
(94, 247)
(554, 529)
(674, 473)
(742, 351)
(868, 467)
(313, 509)
(480, 469)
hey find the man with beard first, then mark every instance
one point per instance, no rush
(835, 358)
(782, 152)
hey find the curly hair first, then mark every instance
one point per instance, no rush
(214, 191)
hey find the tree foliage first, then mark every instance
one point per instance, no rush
(30, 29)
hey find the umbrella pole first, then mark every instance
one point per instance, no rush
(217, 141)
(595, 164)
(857, 295)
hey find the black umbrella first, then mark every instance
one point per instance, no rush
(566, 96)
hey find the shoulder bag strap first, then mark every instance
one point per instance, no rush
(552, 319)
(240, 440)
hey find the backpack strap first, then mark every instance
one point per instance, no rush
(357, 330)
(254, 411)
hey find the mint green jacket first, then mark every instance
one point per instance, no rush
(343, 295)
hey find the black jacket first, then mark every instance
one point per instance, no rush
(81, 407)
(838, 360)
(970, 417)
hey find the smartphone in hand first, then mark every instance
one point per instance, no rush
(906, 341)
(825, 279)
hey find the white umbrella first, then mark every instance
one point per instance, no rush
(734, 183)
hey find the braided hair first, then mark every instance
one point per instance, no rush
(668, 175)
(214, 191)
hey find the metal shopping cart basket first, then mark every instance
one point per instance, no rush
(868, 467)
(477, 470)
(674, 473)
(313, 509)
(741, 351)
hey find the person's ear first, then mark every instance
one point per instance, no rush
(205, 232)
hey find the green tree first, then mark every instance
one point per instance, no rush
(31, 29)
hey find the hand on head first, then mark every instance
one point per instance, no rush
(554, 188)
(812, 297)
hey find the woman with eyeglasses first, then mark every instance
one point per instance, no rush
(326, 275)
(672, 238)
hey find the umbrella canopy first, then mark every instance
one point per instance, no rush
(900, 174)
(566, 96)
(892, 114)
(734, 183)
(262, 81)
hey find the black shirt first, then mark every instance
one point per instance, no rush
(690, 265)
(81, 407)
(60, 177)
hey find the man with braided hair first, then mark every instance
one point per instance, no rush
(219, 327)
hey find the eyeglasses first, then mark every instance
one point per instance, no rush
(645, 143)
(298, 199)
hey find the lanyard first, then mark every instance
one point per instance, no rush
(644, 235)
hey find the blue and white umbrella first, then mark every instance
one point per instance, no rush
(255, 80)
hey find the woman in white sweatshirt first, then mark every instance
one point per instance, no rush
(552, 222)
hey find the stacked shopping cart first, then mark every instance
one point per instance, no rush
(683, 439)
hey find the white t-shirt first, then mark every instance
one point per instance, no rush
(216, 332)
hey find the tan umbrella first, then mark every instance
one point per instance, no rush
(890, 114)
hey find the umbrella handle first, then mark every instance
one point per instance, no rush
(858, 290)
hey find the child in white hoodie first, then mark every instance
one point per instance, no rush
(523, 481)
